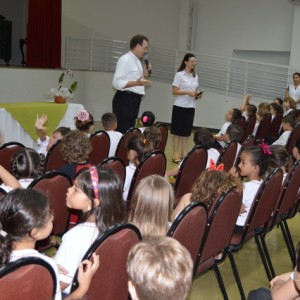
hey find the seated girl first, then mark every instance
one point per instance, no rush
(152, 203)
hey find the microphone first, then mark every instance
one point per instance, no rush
(147, 64)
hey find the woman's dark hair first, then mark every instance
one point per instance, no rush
(21, 210)
(148, 118)
(203, 137)
(76, 147)
(186, 59)
(112, 209)
(280, 101)
(296, 73)
(140, 145)
(236, 114)
(258, 158)
(27, 163)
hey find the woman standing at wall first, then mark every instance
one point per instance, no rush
(184, 87)
(293, 90)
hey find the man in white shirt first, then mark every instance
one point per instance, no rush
(129, 81)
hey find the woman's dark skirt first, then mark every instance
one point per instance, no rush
(182, 120)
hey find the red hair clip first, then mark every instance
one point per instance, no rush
(266, 149)
(212, 166)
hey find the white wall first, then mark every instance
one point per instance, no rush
(264, 25)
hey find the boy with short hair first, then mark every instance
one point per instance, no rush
(159, 268)
(110, 123)
(288, 124)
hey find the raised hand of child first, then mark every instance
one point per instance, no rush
(40, 122)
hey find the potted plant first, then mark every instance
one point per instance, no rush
(61, 93)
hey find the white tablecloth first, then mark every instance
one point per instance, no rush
(12, 131)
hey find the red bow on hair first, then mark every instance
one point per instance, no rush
(212, 166)
(265, 148)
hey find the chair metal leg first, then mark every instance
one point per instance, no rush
(288, 232)
(220, 281)
(236, 275)
(287, 242)
(263, 258)
(267, 254)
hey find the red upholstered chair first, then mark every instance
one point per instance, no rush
(275, 126)
(249, 127)
(55, 185)
(263, 129)
(54, 159)
(258, 217)
(121, 151)
(164, 136)
(7, 150)
(189, 227)
(116, 164)
(101, 143)
(222, 218)
(292, 139)
(27, 278)
(153, 164)
(110, 281)
(227, 156)
(190, 169)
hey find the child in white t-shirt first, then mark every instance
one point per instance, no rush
(110, 123)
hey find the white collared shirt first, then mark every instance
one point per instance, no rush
(129, 68)
(186, 82)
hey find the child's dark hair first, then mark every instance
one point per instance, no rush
(153, 135)
(203, 137)
(62, 130)
(76, 147)
(251, 110)
(277, 108)
(258, 158)
(280, 101)
(21, 210)
(112, 208)
(290, 119)
(235, 133)
(140, 145)
(236, 114)
(84, 120)
(280, 158)
(27, 163)
(108, 120)
(148, 118)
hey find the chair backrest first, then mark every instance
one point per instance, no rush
(241, 122)
(121, 151)
(263, 128)
(110, 280)
(117, 165)
(101, 143)
(222, 218)
(27, 278)
(288, 196)
(227, 156)
(249, 142)
(54, 159)
(2, 192)
(55, 185)
(275, 126)
(154, 163)
(7, 150)
(249, 127)
(189, 227)
(262, 207)
(190, 169)
(292, 139)
(164, 136)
